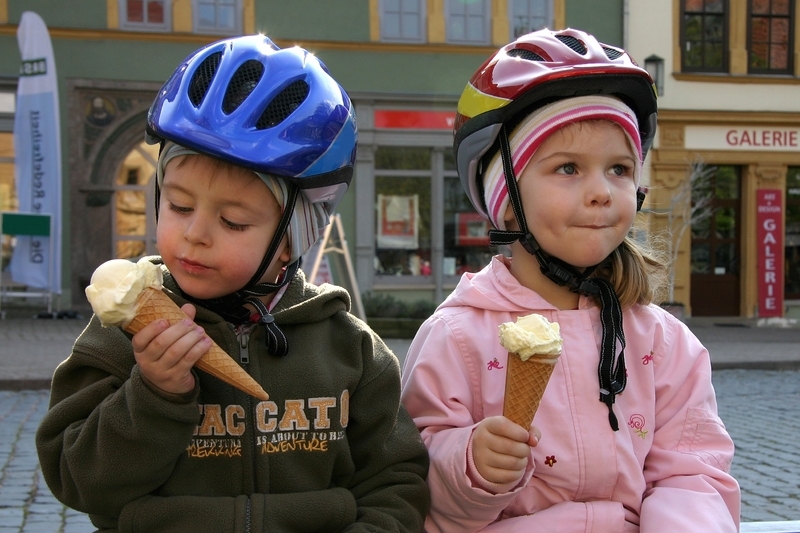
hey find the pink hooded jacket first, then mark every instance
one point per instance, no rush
(666, 469)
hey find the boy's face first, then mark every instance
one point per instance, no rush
(215, 223)
(579, 192)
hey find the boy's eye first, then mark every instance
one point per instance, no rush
(234, 226)
(179, 209)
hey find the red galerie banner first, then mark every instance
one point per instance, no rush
(769, 217)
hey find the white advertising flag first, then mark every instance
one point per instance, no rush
(37, 143)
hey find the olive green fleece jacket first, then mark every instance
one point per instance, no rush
(331, 450)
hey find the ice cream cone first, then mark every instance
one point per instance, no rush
(153, 304)
(525, 385)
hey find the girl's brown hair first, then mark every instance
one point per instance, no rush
(638, 272)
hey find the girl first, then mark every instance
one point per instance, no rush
(550, 137)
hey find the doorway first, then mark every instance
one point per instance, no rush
(715, 248)
(134, 204)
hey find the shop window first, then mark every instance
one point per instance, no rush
(146, 15)
(416, 235)
(217, 16)
(468, 21)
(704, 29)
(769, 36)
(791, 271)
(529, 15)
(403, 204)
(466, 239)
(402, 20)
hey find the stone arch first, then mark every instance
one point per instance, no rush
(97, 153)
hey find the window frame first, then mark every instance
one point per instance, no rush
(487, 25)
(548, 17)
(237, 19)
(422, 14)
(724, 41)
(125, 24)
(789, 70)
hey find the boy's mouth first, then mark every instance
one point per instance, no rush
(192, 267)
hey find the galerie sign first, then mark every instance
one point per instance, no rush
(769, 217)
(744, 138)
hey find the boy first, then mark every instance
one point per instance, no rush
(142, 442)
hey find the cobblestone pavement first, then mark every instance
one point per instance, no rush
(759, 408)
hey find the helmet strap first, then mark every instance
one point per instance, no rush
(612, 376)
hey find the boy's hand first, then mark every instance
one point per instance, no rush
(501, 448)
(166, 354)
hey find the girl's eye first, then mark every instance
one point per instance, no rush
(234, 226)
(620, 170)
(179, 209)
(567, 168)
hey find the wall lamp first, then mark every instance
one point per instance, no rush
(654, 65)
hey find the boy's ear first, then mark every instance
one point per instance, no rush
(286, 253)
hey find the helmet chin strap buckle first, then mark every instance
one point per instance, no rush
(559, 272)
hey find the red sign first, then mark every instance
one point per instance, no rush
(769, 217)
(420, 120)
(472, 230)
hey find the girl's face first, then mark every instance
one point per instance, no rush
(215, 223)
(579, 192)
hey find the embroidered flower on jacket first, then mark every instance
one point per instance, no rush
(647, 359)
(637, 423)
(550, 460)
(494, 363)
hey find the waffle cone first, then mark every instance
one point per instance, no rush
(525, 384)
(154, 304)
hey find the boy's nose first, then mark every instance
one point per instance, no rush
(196, 231)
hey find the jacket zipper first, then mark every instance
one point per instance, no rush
(244, 359)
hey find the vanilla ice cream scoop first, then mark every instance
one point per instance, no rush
(130, 295)
(115, 288)
(529, 335)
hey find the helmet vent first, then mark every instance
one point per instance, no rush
(283, 104)
(612, 53)
(573, 43)
(525, 54)
(242, 83)
(202, 78)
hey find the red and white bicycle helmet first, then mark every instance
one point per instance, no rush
(535, 70)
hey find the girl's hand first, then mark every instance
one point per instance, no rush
(166, 354)
(501, 449)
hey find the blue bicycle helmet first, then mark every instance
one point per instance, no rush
(275, 111)
(272, 110)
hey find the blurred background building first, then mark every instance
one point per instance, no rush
(722, 66)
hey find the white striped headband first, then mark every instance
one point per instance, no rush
(526, 138)
(308, 219)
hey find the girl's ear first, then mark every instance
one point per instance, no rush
(510, 219)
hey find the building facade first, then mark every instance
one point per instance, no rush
(730, 75)
(410, 229)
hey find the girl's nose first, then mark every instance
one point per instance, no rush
(598, 191)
